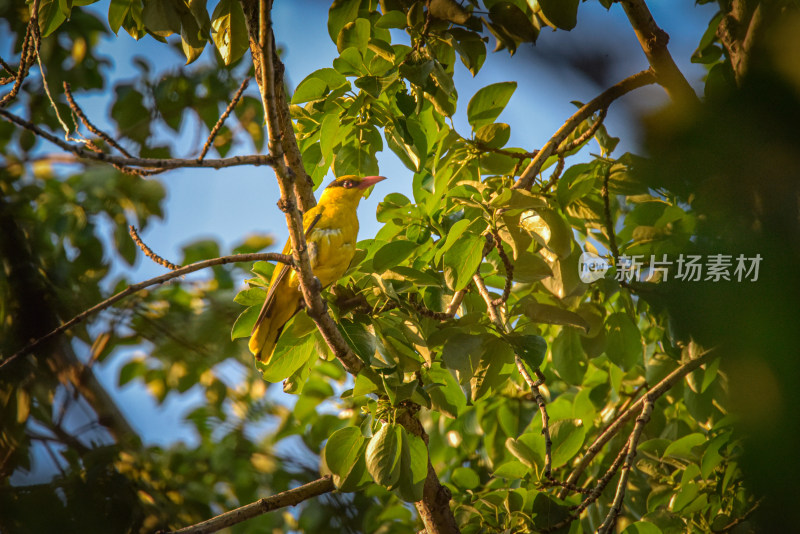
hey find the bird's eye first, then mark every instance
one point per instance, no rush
(348, 184)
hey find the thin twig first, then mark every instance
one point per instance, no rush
(8, 68)
(555, 176)
(495, 317)
(237, 258)
(603, 100)
(636, 434)
(290, 497)
(148, 252)
(609, 223)
(740, 519)
(585, 136)
(593, 495)
(480, 145)
(427, 312)
(223, 118)
(27, 55)
(498, 244)
(455, 302)
(46, 87)
(89, 126)
(658, 390)
(148, 163)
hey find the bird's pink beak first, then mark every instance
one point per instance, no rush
(369, 181)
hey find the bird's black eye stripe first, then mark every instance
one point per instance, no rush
(347, 184)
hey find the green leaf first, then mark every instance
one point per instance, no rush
(488, 103)
(530, 268)
(513, 470)
(413, 467)
(462, 260)
(624, 342)
(642, 527)
(192, 41)
(253, 296)
(354, 34)
(263, 269)
(124, 244)
(561, 236)
(494, 135)
(462, 352)
(361, 340)
(392, 254)
(577, 181)
(522, 452)
(530, 348)
(446, 395)
(514, 22)
(119, 10)
(569, 359)
(354, 160)
(383, 455)
(712, 456)
(317, 85)
(448, 10)
(392, 19)
(470, 48)
(350, 63)
(129, 371)
(465, 478)
(549, 314)
(161, 18)
(519, 200)
(562, 13)
(51, 16)
(230, 30)
(549, 511)
(453, 235)
(342, 452)
(243, 326)
(682, 448)
(294, 348)
(567, 436)
(340, 13)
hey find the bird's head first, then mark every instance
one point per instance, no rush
(349, 188)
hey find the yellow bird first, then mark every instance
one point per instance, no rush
(331, 229)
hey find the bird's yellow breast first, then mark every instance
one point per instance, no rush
(331, 242)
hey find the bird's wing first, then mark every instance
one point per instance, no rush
(279, 276)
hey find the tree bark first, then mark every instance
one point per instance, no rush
(653, 41)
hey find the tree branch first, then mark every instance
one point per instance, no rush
(290, 497)
(146, 163)
(653, 41)
(738, 31)
(636, 434)
(657, 391)
(30, 47)
(259, 26)
(495, 317)
(218, 126)
(263, 256)
(89, 125)
(602, 101)
(434, 508)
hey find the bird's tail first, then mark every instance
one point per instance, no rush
(264, 340)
